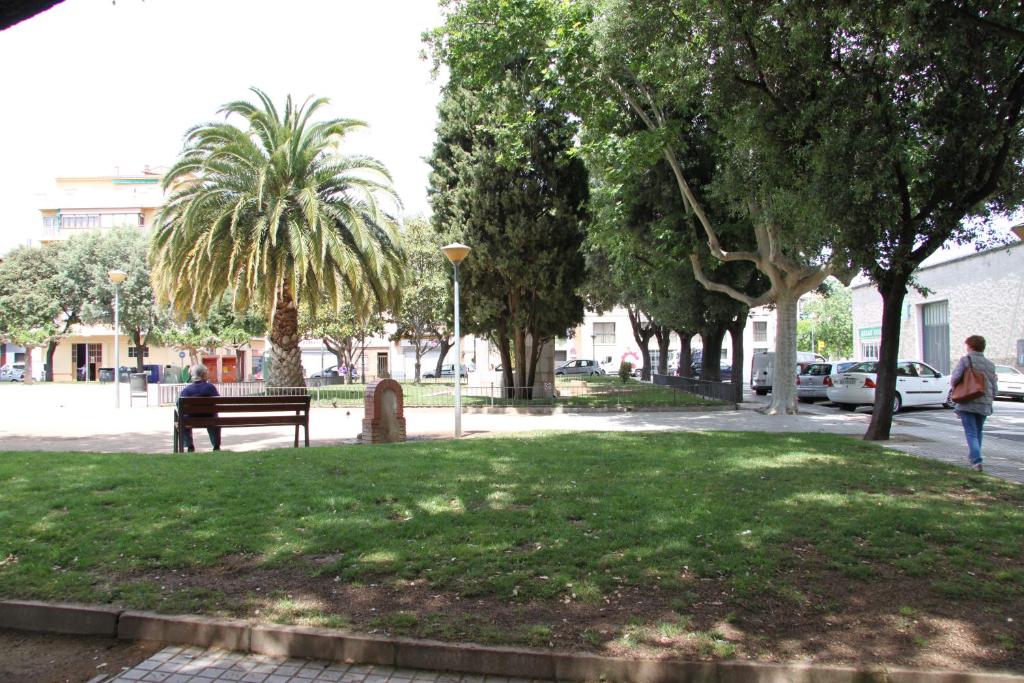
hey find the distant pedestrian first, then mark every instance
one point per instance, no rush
(199, 387)
(973, 413)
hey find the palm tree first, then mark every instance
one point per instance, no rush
(275, 214)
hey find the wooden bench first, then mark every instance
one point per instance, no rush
(243, 411)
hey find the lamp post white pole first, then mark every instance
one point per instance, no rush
(117, 277)
(456, 253)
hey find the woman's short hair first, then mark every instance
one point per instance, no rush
(198, 372)
(976, 342)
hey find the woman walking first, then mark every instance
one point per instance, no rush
(973, 413)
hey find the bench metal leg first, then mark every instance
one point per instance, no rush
(307, 433)
(175, 448)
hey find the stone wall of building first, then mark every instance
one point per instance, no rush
(984, 293)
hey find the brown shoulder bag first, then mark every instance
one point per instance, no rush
(970, 387)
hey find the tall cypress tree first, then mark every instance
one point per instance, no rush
(524, 219)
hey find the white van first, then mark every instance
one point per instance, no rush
(762, 368)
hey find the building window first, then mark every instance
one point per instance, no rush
(761, 330)
(760, 349)
(133, 352)
(869, 351)
(604, 333)
(725, 354)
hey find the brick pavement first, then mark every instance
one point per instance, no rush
(181, 664)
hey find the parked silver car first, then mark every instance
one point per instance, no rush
(812, 381)
(579, 367)
(12, 373)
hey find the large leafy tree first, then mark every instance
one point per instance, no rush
(524, 220)
(95, 254)
(341, 331)
(425, 317)
(276, 215)
(659, 64)
(826, 323)
(28, 310)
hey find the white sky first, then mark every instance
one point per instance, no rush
(90, 86)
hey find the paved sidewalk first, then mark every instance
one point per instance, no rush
(177, 664)
(81, 418)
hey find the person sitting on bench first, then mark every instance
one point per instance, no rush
(200, 387)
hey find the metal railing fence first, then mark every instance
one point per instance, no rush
(717, 391)
(601, 392)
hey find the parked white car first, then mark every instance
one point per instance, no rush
(12, 373)
(1011, 382)
(917, 384)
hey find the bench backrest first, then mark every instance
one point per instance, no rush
(243, 404)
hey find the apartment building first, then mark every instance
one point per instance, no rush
(75, 205)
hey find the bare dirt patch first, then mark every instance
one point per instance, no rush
(819, 616)
(45, 658)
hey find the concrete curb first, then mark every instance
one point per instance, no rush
(335, 645)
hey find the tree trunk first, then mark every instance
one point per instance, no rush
(645, 353)
(784, 381)
(285, 355)
(888, 355)
(140, 357)
(736, 335)
(505, 353)
(28, 366)
(51, 348)
(444, 346)
(519, 348)
(685, 354)
(664, 337)
(642, 333)
(711, 353)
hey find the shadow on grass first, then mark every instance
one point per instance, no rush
(775, 522)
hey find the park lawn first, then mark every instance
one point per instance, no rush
(610, 390)
(775, 546)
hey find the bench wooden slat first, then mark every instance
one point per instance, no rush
(190, 409)
(246, 400)
(254, 421)
(291, 411)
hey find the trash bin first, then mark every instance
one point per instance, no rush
(138, 382)
(106, 375)
(154, 373)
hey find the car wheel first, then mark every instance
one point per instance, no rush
(761, 392)
(559, 374)
(846, 406)
(805, 399)
(897, 404)
(950, 403)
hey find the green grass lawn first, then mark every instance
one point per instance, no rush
(736, 528)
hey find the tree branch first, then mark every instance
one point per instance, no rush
(698, 273)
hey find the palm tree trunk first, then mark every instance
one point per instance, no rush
(285, 356)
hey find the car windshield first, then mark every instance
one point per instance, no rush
(1007, 370)
(870, 367)
(817, 369)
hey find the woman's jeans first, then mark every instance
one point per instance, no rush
(973, 423)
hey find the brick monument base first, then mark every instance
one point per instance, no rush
(384, 412)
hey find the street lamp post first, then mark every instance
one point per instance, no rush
(117, 277)
(456, 253)
(593, 346)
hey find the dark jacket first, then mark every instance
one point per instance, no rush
(983, 404)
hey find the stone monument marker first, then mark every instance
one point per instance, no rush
(384, 412)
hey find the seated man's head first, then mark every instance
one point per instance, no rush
(199, 372)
